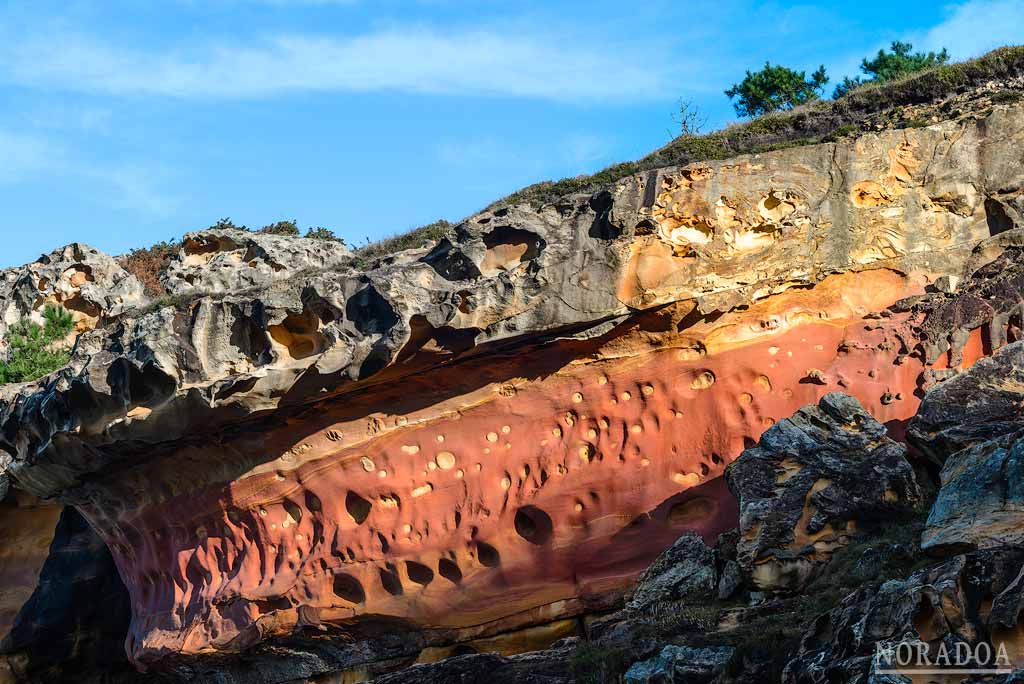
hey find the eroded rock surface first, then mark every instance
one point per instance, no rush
(816, 480)
(86, 282)
(222, 260)
(968, 600)
(477, 444)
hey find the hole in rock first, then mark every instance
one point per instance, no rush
(533, 525)
(487, 555)
(357, 507)
(419, 573)
(299, 334)
(449, 570)
(370, 312)
(997, 218)
(293, 510)
(508, 247)
(390, 581)
(348, 588)
(426, 339)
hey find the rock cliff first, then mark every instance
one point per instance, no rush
(480, 445)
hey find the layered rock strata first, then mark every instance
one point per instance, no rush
(500, 433)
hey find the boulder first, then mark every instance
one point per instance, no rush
(974, 425)
(684, 572)
(681, 665)
(982, 403)
(816, 480)
(223, 260)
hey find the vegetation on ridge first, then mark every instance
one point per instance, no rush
(889, 66)
(37, 350)
(813, 122)
(775, 88)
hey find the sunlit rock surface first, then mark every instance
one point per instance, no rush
(480, 443)
(89, 284)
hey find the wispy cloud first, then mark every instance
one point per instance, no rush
(417, 60)
(976, 26)
(28, 157)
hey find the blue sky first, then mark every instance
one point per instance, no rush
(125, 122)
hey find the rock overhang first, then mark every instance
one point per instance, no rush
(203, 440)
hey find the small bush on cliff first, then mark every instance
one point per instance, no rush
(226, 224)
(37, 350)
(148, 263)
(775, 88)
(287, 228)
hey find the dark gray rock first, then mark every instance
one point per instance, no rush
(680, 665)
(939, 606)
(973, 424)
(684, 572)
(813, 482)
(982, 403)
(730, 580)
(77, 619)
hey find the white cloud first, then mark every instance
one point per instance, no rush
(476, 62)
(975, 27)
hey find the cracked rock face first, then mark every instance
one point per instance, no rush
(480, 441)
(973, 424)
(968, 600)
(816, 480)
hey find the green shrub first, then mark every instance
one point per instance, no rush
(287, 228)
(889, 66)
(226, 224)
(321, 233)
(842, 132)
(775, 88)
(37, 350)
